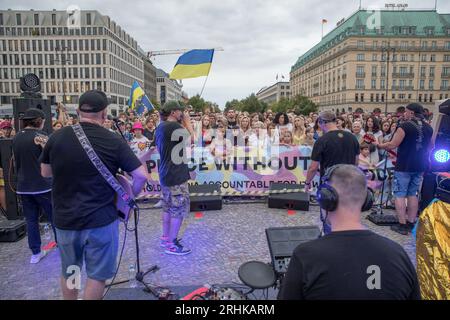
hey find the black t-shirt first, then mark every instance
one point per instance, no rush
(413, 152)
(170, 173)
(27, 151)
(149, 134)
(335, 147)
(82, 199)
(344, 265)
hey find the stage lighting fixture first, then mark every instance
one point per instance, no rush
(441, 155)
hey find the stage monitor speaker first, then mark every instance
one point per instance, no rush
(12, 230)
(204, 197)
(20, 105)
(282, 242)
(281, 197)
(13, 210)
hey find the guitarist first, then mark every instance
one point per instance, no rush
(413, 140)
(34, 190)
(83, 202)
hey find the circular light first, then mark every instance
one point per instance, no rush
(30, 83)
(442, 155)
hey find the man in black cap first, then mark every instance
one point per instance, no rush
(34, 190)
(83, 201)
(334, 147)
(172, 136)
(413, 140)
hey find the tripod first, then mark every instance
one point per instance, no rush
(140, 275)
(377, 216)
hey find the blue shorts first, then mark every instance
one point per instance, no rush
(406, 184)
(98, 247)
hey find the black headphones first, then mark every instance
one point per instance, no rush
(328, 198)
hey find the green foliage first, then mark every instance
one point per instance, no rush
(298, 105)
(198, 103)
(250, 104)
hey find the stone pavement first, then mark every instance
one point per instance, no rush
(221, 241)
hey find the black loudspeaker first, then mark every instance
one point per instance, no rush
(13, 210)
(20, 105)
(11, 231)
(205, 197)
(281, 197)
(282, 242)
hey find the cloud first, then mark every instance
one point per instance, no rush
(261, 38)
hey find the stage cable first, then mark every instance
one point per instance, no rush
(120, 260)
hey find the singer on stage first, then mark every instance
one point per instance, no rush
(174, 133)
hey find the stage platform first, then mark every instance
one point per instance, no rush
(220, 241)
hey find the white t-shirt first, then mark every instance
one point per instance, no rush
(140, 146)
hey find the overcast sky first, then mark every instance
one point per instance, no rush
(260, 38)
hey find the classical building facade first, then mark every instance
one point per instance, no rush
(274, 93)
(69, 53)
(348, 69)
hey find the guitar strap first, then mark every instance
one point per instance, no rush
(100, 166)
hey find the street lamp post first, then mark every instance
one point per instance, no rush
(387, 50)
(63, 60)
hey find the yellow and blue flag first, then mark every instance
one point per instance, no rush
(193, 64)
(138, 99)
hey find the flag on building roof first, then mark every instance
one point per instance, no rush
(138, 99)
(193, 64)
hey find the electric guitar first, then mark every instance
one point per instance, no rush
(369, 139)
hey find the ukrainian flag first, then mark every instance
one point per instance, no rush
(193, 64)
(138, 99)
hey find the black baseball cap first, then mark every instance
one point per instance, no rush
(33, 113)
(93, 101)
(416, 108)
(172, 105)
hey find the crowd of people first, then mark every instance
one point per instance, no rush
(221, 131)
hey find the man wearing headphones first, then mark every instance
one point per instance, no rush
(351, 262)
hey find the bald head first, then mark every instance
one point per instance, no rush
(350, 184)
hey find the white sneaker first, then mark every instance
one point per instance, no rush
(158, 204)
(35, 258)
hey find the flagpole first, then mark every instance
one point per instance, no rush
(322, 29)
(204, 83)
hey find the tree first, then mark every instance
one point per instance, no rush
(302, 105)
(252, 104)
(284, 105)
(233, 104)
(198, 103)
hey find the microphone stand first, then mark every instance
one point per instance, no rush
(140, 275)
(378, 217)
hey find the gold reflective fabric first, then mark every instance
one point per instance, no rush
(433, 252)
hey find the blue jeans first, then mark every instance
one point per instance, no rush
(31, 204)
(406, 184)
(97, 247)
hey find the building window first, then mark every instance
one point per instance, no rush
(36, 19)
(431, 84)
(422, 84)
(382, 84)
(433, 58)
(53, 19)
(360, 57)
(18, 19)
(424, 57)
(88, 19)
(374, 83)
(1, 18)
(356, 97)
